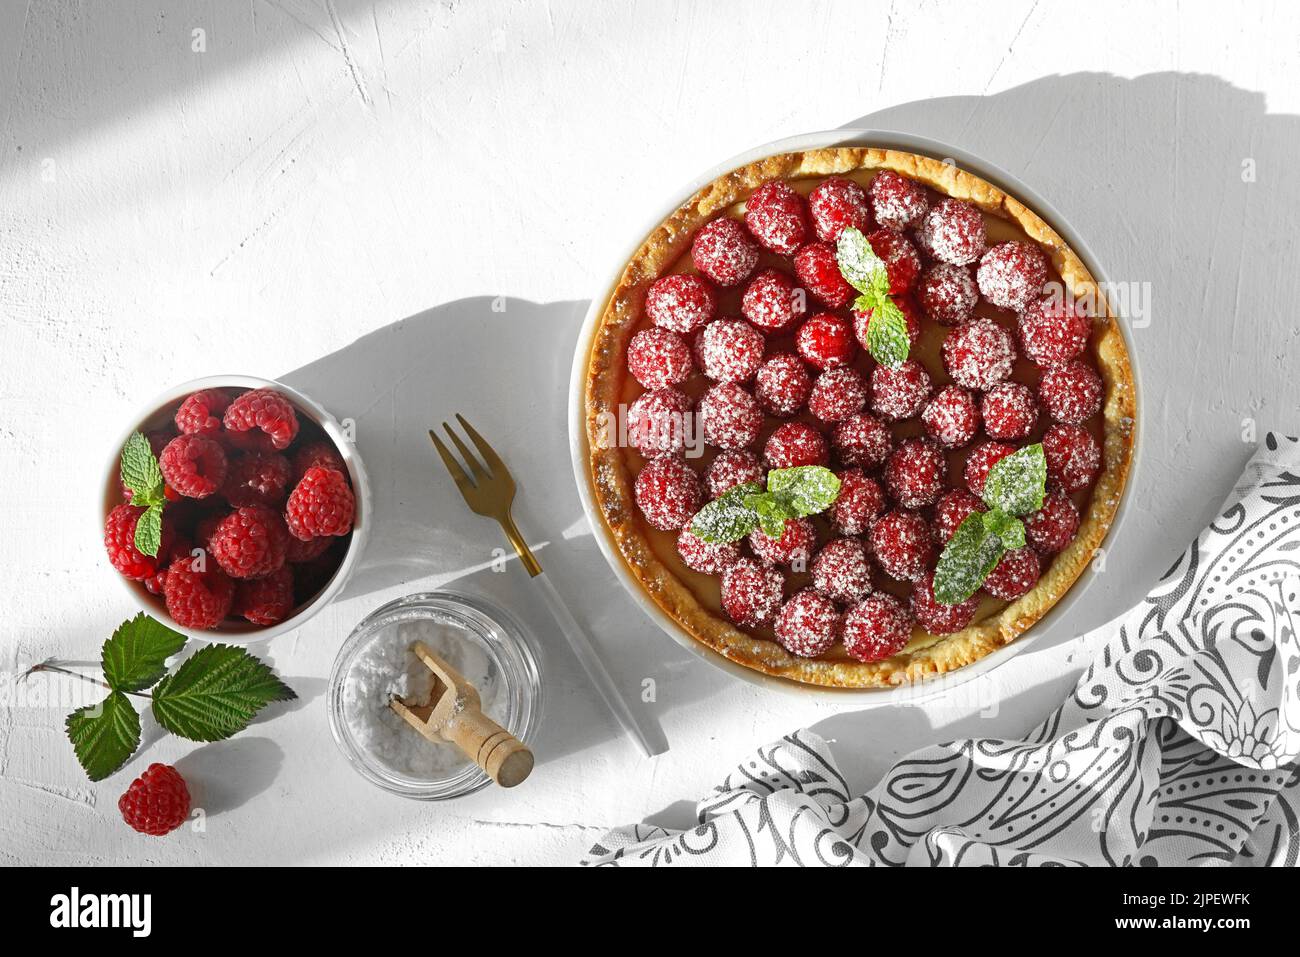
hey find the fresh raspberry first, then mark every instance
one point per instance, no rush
(876, 628)
(861, 501)
(938, 618)
(193, 465)
(157, 802)
(777, 216)
(782, 384)
(265, 601)
(732, 468)
(723, 251)
(901, 261)
(982, 458)
(794, 444)
(265, 410)
(862, 440)
(953, 232)
(915, 473)
(731, 350)
(206, 526)
(808, 624)
(795, 547)
(951, 510)
(819, 273)
(948, 293)
(321, 504)
(179, 550)
(119, 542)
(250, 542)
(826, 341)
(300, 552)
(896, 201)
(709, 558)
(682, 302)
(257, 478)
(656, 422)
(751, 593)
(1052, 331)
(1073, 457)
(842, 572)
(668, 493)
(1014, 575)
(1054, 525)
(199, 600)
(837, 394)
(318, 454)
(951, 418)
(250, 441)
(1071, 393)
(730, 417)
(836, 204)
(901, 543)
(911, 315)
(979, 354)
(1012, 274)
(898, 394)
(772, 301)
(659, 357)
(200, 412)
(1009, 411)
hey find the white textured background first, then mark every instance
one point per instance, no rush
(278, 204)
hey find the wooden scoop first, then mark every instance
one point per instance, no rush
(454, 713)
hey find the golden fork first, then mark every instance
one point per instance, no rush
(489, 490)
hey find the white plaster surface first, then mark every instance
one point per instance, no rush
(333, 193)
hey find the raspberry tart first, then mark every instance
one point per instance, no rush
(920, 346)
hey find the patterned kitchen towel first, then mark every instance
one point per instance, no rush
(1177, 746)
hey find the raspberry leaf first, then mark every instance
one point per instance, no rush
(215, 693)
(727, 518)
(804, 489)
(148, 531)
(140, 472)
(104, 735)
(136, 655)
(1017, 484)
(969, 557)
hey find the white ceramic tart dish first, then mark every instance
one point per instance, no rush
(643, 552)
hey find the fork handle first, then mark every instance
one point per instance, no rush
(521, 546)
(595, 668)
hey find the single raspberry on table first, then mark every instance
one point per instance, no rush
(257, 478)
(659, 357)
(876, 628)
(200, 412)
(861, 501)
(1009, 411)
(979, 354)
(982, 458)
(795, 546)
(794, 444)
(898, 394)
(299, 552)
(901, 542)
(951, 418)
(321, 504)
(265, 601)
(730, 417)
(731, 468)
(681, 302)
(193, 465)
(862, 440)
(657, 421)
(1014, 575)
(250, 542)
(668, 493)
(914, 474)
(709, 558)
(953, 232)
(826, 341)
(263, 410)
(1053, 331)
(837, 204)
(808, 624)
(1011, 275)
(1073, 457)
(782, 384)
(842, 572)
(119, 543)
(948, 294)
(777, 216)
(902, 264)
(724, 251)
(751, 593)
(1054, 525)
(951, 510)
(819, 272)
(936, 617)
(911, 315)
(896, 201)
(772, 301)
(198, 599)
(1071, 392)
(157, 802)
(730, 350)
(837, 394)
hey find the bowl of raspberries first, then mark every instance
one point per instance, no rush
(234, 508)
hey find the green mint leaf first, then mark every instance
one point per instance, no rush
(804, 489)
(104, 735)
(1006, 527)
(727, 518)
(772, 512)
(215, 693)
(1017, 483)
(967, 560)
(140, 472)
(858, 262)
(136, 656)
(887, 339)
(148, 531)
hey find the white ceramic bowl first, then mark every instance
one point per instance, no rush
(160, 411)
(577, 403)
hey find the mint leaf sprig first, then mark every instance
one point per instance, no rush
(1015, 487)
(866, 272)
(791, 493)
(142, 476)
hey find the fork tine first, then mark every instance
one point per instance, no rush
(449, 460)
(480, 474)
(489, 454)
